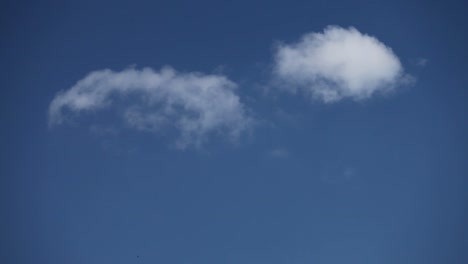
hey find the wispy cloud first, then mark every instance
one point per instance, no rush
(193, 104)
(278, 153)
(335, 174)
(338, 63)
(422, 62)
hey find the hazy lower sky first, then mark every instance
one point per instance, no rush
(233, 132)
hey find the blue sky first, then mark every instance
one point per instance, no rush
(240, 132)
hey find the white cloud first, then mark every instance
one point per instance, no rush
(193, 104)
(338, 63)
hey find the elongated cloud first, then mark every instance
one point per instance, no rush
(192, 104)
(338, 63)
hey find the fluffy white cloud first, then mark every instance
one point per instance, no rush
(337, 64)
(194, 104)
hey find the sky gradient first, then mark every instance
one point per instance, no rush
(244, 132)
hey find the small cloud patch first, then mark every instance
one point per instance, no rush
(336, 64)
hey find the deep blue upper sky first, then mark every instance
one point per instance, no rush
(379, 181)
